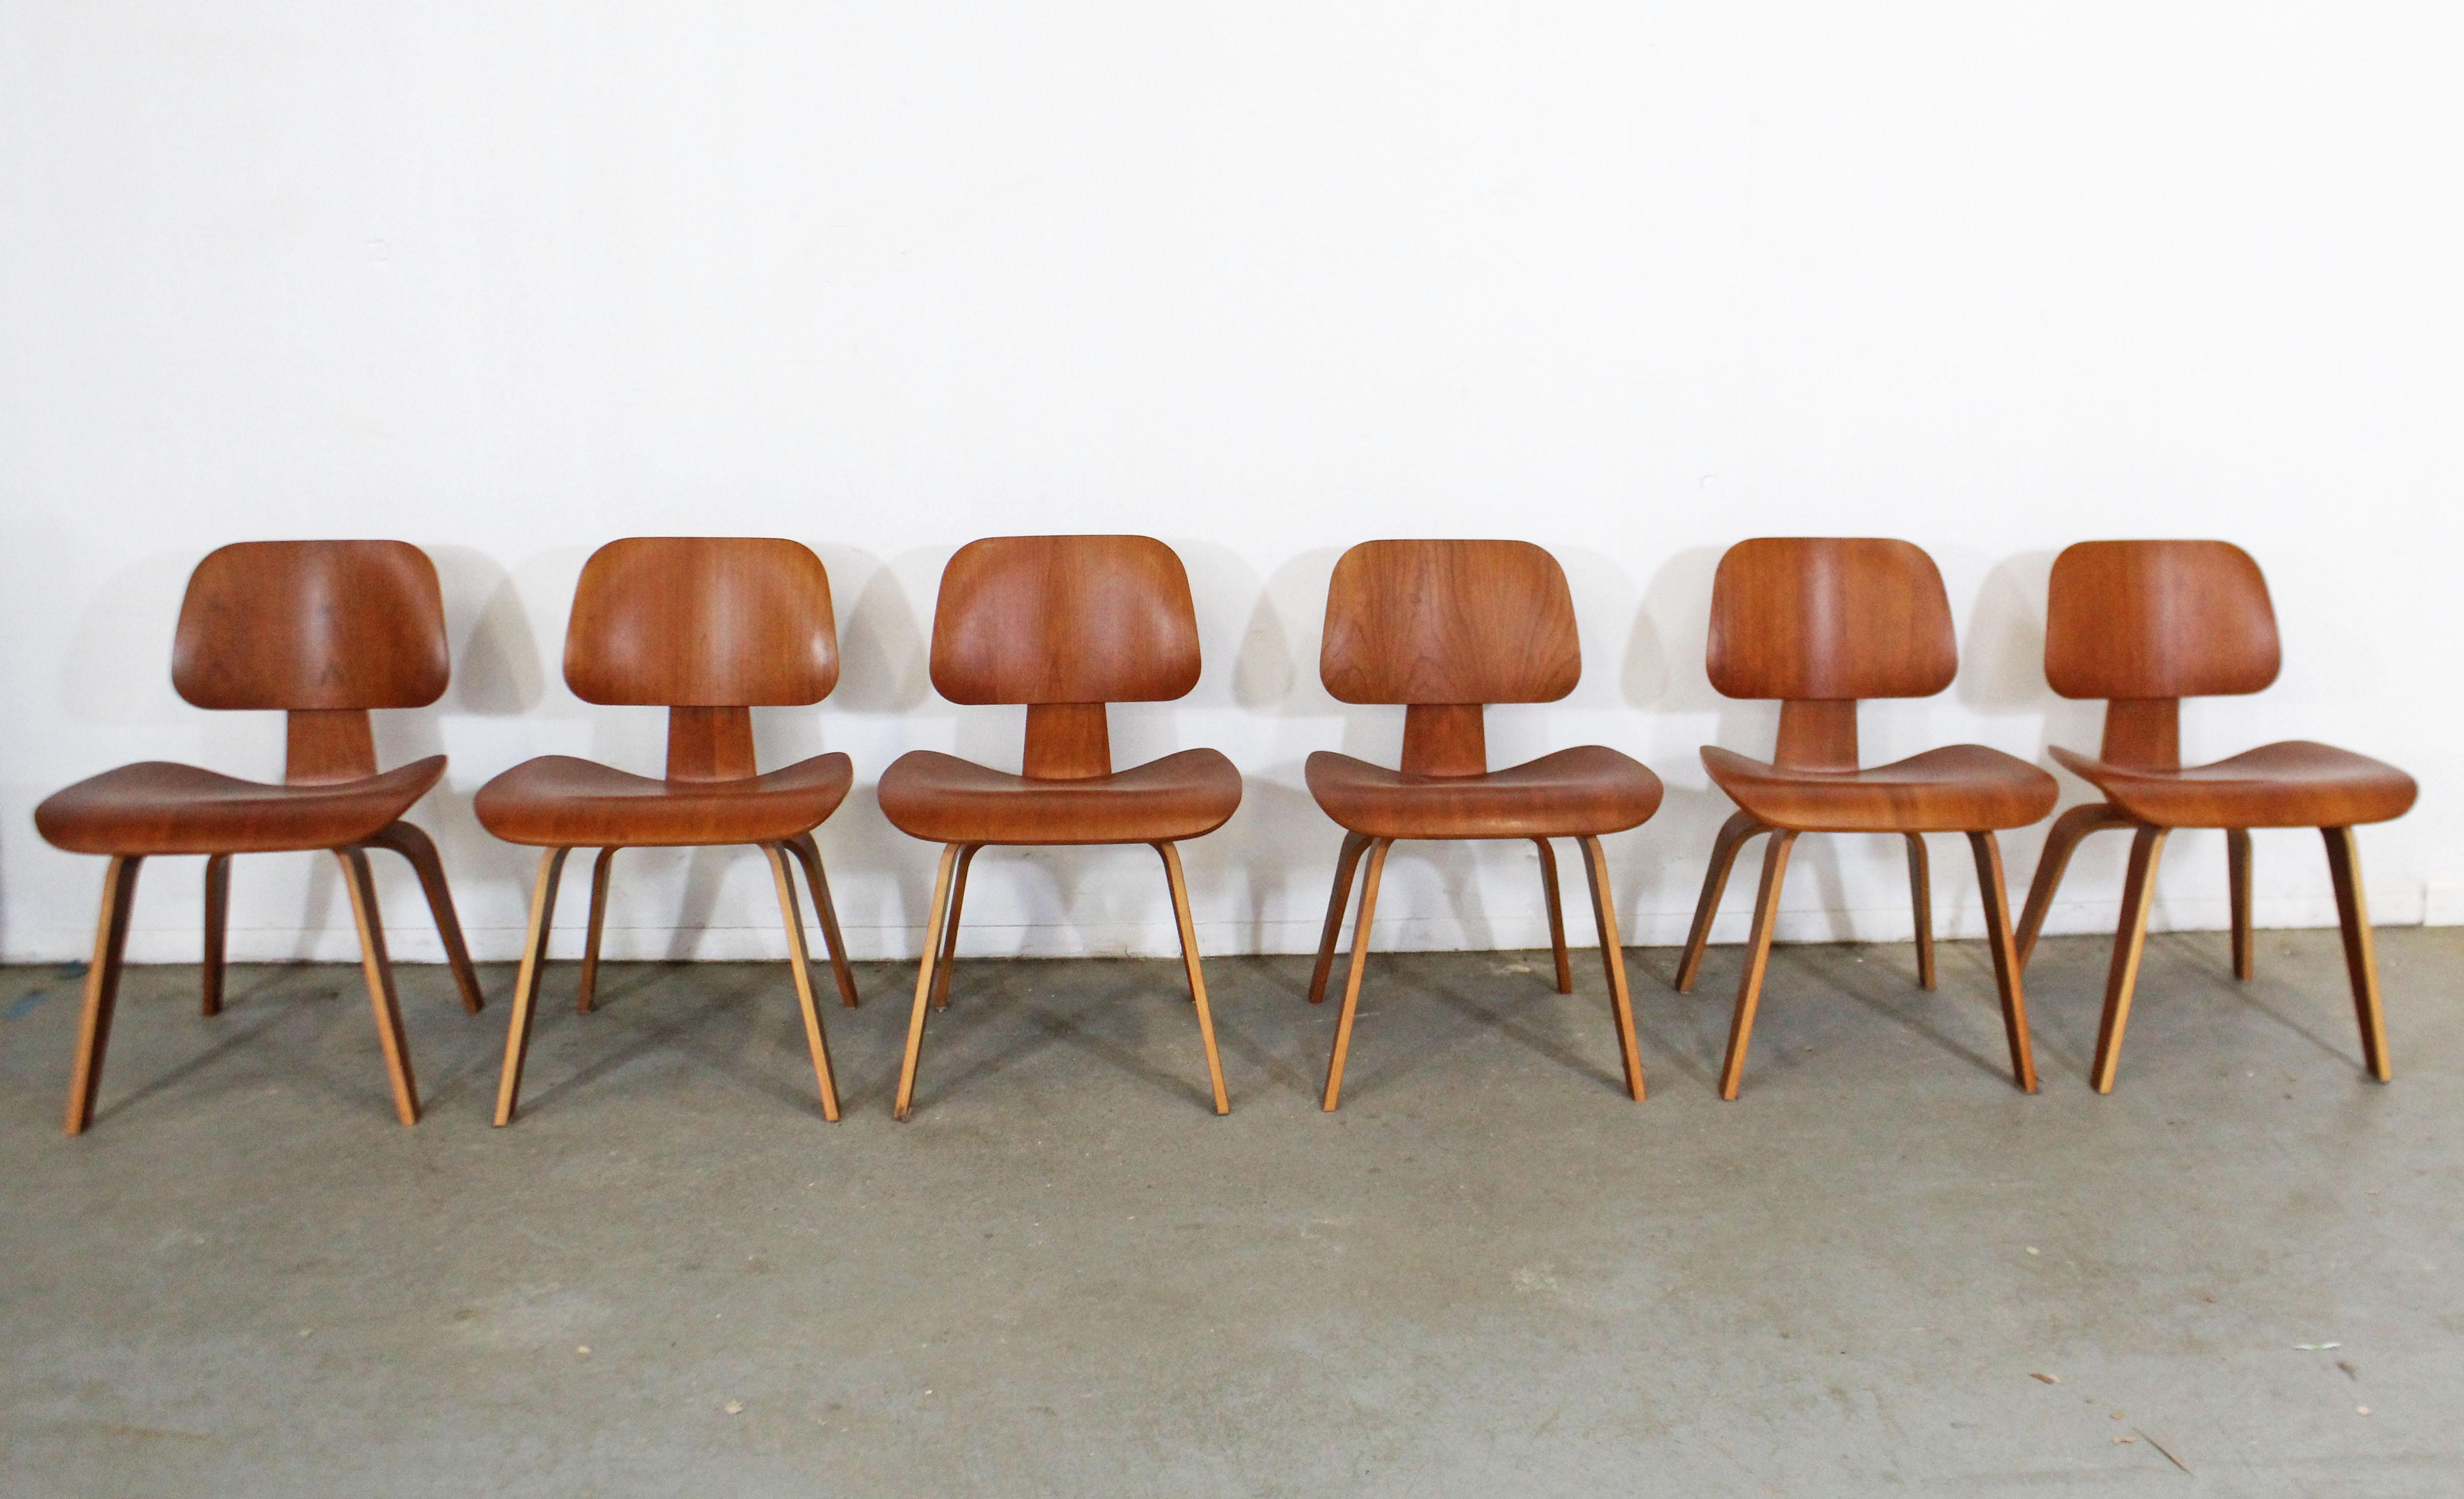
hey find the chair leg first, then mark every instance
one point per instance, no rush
(798, 963)
(809, 854)
(587, 996)
(950, 927)
(2344, 864)
(1377, 849)
(1189, 961)
(413, 844)
(1733, 834)
(924, 983)
(2129, 941)
(1556, 916)
(217, 923)
(1749, 986)
(2006, 958)
(1596, 866)
(1921, 898)
(2238, 875)
(526, 987)
(101, 987)
(379, 978)
(2061, 841)
(1345, 863)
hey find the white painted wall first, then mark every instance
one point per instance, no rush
(1261, 278)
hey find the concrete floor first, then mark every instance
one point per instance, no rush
(1489, 1273)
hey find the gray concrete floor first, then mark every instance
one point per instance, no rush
(1489, 1273)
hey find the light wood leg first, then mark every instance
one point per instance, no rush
(2352, 913)
(2238, 875)
(1749, 986)
(950, 927)
(1197, 980)
(1921, 898)
(924, 983)
(2061, 840)
(1596, 866)
(2006, 958)
(799, 962)
(1734, 834)
(2129, 941)
(413, 844)
(1556, 916)
(217, 924)
(1360, 923)
(809, 854)
(526, 987)
(102, 988)
(1353, 844)
(379, 978)
(587, 996)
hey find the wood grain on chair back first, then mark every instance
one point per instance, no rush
(1065, 619)
(1827, 618)
(1449, 622)
(2158, 619)
(709, 622)
(312, 626)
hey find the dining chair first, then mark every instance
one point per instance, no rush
(1064, 624)
(1820, 623)
(322, 631)
(1443, 629)
(2145, 625)
(707, 627)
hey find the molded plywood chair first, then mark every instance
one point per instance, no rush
(1818, 623)
(324, 630)
(1445, 627)
(2145, 625)
(707, 627)
(1064, 624)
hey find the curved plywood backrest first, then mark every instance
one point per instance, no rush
(2158, 619)
(1449, 623)
(312, 625)
(1065, 619)
(708, 622)
(1830, 618)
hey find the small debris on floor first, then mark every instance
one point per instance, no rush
(2316, 1348)
(25, 1002)
(2123, 1440)
(2047, 1378)
(2118, 1415)
(2031, 1248)
(2347, 1364)
(2169, 1454)
(734, 1407)
(2360, 1410)
(583, 1350)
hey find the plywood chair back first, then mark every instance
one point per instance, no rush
(1820, 622)
(2147, 624)
(707, 627)
(1443, 627)
(324, 630)
(1064, 625)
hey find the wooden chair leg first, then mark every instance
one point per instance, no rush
(798, 963)
(2061, 840)
(1344, 863)
(413, 844)
(380, 977)
(2129, 941)
(2007, 968)
(1733, 834)
(1749, 986)
(1189, 960)
(924, 983)
(2238, 876)
(1556, 916)
(1921, 898)
(526, 987)
(1360, 923)
(587, 996)
(217, 923)
(2352, 913)
(809, 854)
(102, 988)
(1595, 867)
(950, 927)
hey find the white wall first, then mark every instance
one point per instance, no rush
(1261, 278)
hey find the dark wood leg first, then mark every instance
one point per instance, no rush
(950, 927)
(1921, 898)
(924, 983)
(2238, 875)
(102, 988)
(1556, 916)
(1596, 866)
(1189, 961)
(413, 844)
(586, 997)
(217, 923)
(2129, 941)
(1733, 834)
(809, 854)
(380, 977)
(2006, 958)
(2344, 864)
(2061, 841)
(1353, 844)
(1749, 986)
(798, 963)
(1377, 849)
(526, 987)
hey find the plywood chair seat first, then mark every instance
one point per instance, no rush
(559, 801)
(162, 808)
(1590, 790)
(2295, 783)
(1957, 788)
(943, 798)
